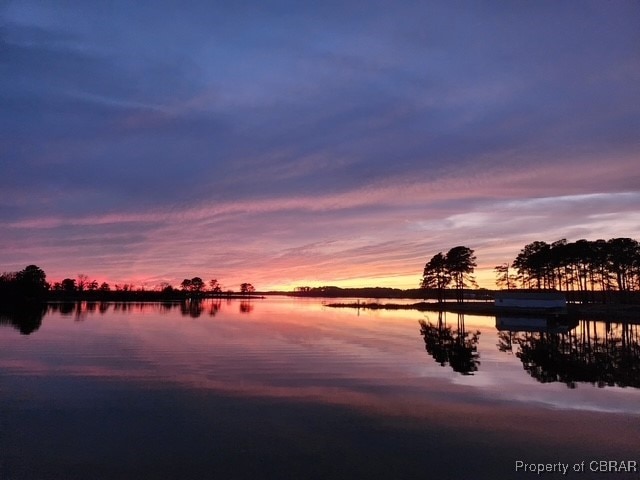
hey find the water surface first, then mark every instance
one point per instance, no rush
(289, 388)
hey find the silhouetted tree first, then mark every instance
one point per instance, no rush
(247, 288)
(69, 285)
(557, 264)
(582, 267)
(532, 264)
(33, 279)
(624, 255)
(197, 285)
(214, 286)
(600, 266)
(503, 278)
(456, 266)
(83, 281)
(436, 275)
(31, 282)
(27, 285)
(460, 263)
(185, 285)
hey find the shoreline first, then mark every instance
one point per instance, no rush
(603, 312)
(629, 313)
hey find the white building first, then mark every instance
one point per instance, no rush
(547, 301)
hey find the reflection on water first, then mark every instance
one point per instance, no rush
(552, 324)
(603, 354)
(458, 348)
(191, 307)
(246, 306)
(26, 318)
(288, 388)
(551, 349)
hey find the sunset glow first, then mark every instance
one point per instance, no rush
(288, 144)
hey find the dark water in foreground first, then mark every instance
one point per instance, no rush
(286, 388)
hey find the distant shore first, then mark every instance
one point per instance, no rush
(604, 312)
(145, 296)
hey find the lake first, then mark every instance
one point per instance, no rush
(291, 388)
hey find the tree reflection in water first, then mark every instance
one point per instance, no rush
(246, 306)
(603, 354)
(457, 348)
(25, 318)
(191, 307)
(214, 308)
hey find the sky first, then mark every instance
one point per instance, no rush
(311, 143)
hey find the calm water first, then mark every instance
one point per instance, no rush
(288, 388)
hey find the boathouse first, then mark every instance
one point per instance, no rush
(543, 301)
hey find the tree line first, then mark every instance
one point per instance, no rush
(30, 284)
(582, 266)
(588, 270)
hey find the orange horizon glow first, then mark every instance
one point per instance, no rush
(276, 247)
(485, 277)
